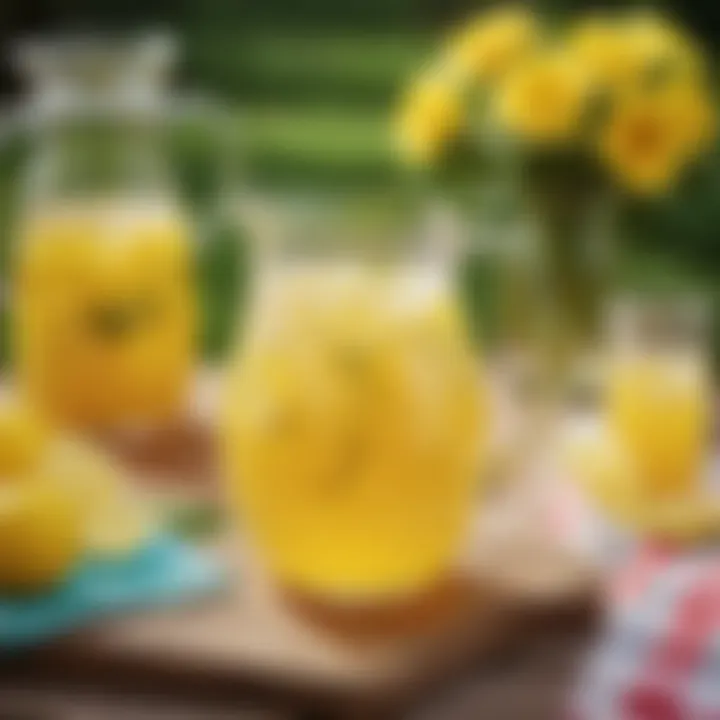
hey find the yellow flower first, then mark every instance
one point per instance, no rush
(621, 53)
(601, 47)
(492, 42)
(431, 113)
(656, 41)
(544, 99)
(696, 116)
(652, 137)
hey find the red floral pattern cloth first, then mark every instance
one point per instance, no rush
(658, 657)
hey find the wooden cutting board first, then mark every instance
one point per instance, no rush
(512, 579)
(510, 583)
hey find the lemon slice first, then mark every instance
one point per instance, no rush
(116, 519)
(683, 519)
(120, 527)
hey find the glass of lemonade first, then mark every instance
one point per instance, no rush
(104, 307)
(354, 417)
(659, 390)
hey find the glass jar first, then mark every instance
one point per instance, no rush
(659, 389)
(104, 304)
(354, 421)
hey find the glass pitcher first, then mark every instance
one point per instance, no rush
(354, 421)
(104, 305)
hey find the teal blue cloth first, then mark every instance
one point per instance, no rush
(166, 570)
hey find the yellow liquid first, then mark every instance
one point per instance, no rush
(659, 408)
(351, 426)
(104, 313)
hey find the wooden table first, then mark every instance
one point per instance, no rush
(256, 646)
(258, 652)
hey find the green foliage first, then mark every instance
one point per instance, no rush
(311, 112)
(223, 264)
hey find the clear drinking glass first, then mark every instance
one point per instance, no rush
(659, 392)
(353, 420)
(104, 303)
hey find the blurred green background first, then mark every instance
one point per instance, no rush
(305, 90)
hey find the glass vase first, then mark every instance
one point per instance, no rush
(558, 256)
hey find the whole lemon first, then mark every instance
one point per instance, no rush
(41, 534)
(604, 468)
(22, 438)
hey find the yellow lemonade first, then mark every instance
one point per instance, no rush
(659, 407)
(104, 312)
(351, 430)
